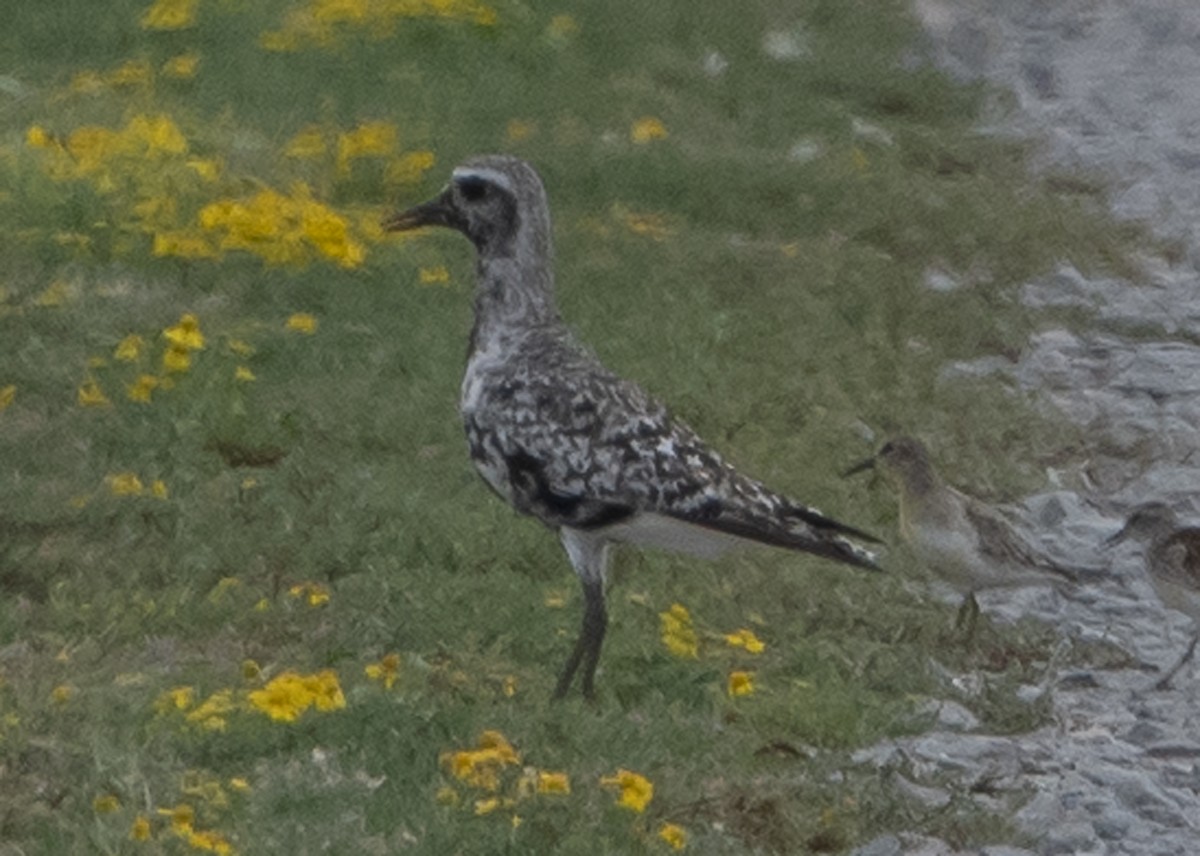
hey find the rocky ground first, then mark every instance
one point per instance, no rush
(1110, 91)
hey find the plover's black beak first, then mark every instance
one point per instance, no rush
(436, 212)
(861, 466)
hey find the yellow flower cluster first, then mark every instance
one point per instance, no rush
(317, 23)
(102, 155)
(314, 593)
(674, 835)
(740, 683)
(283, 229)
(375, 140)
(634, 791)
(746, 640)
(677, 632)
(183, 819)
(648, 129)
(386, 671)
(128, 484)
(284, 699)
(170, 15)
(483, 768)
(290, 694)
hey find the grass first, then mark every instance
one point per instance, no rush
(324, 515)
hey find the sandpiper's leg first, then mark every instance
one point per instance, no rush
(589, 557)
(1164, 682)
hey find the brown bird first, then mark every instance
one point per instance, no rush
(1172, 558)
(963, 541)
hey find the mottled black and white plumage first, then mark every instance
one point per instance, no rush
(561, 438)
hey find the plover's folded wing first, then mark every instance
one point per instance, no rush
(595, 451)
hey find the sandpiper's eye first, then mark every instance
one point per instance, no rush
(887, 449)
(472, 189)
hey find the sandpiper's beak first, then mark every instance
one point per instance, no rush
(861, 466)
(436, 212)
(1114, 540)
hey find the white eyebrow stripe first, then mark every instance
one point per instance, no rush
(497, 178)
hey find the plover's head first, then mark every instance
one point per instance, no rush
(497, 201)
(1147, 522)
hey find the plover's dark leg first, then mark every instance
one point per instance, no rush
(587, 646)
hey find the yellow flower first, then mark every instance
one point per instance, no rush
(675, 836)
(239, 784)
(636, 790)
(434, 275)
(481, 767)
(129, 348)
(243, 373)
(741, 683)
(158, 489)
(213, 842)
(139, 830)
(177, 359)
(288, 695)
(316, 593)
(36, 137)
(55, 294)
(409, 168)
(371, 139)
(745, 639)
(302, 322)
(510, 686)
(518, 129)
(210, 713)
(106, 804)
(142, 388)
(185, 334)
(179, 698)
(553, 783)
(169, 15)
(182, 66)
(8, 394)
(182, 817)
(242, 349)
(62, 693)
(677, 632)
(124, 484)
(251, 671)
(309, 143)
(487, 806)
(131, 73)
(386, 670)
(647, 129)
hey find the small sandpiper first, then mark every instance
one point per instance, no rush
(963, 541)
(562, 438)
(1172, 556)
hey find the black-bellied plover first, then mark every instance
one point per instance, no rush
(963, 541)
(561, 438)
(1172, 556)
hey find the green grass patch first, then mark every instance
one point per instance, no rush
(295, 501)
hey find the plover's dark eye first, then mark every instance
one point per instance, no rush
(887, 449)
(472, 189)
